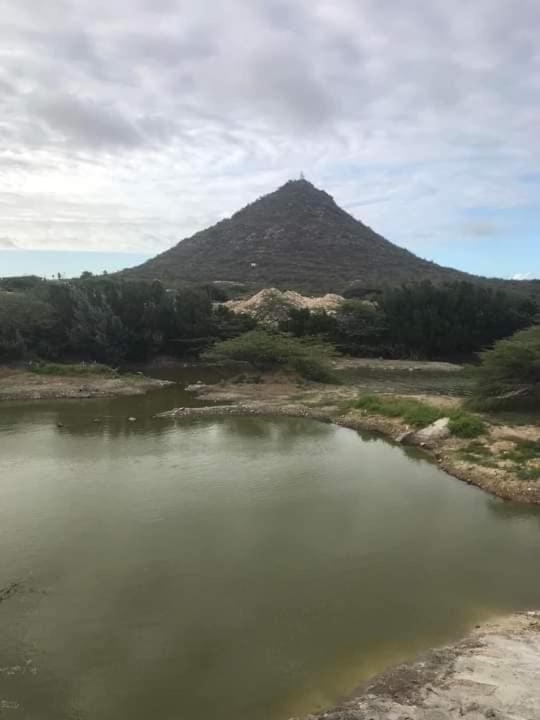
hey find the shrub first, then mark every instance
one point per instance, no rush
(266, 350)
(465, 425)
(509, 374)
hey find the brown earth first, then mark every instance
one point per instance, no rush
(17, 384)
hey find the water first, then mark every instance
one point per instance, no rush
(230, 568)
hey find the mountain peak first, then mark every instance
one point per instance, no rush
(295, 238)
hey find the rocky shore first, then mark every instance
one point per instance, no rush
(492, 674)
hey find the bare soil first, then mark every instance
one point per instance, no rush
(493, 674)
(16, 384)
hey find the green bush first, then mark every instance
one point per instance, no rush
(266, 351)
(509, 374)
(465, 425)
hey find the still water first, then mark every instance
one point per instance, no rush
(230, 568)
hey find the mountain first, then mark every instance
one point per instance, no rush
(295, 238)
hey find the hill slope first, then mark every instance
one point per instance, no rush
(294, 238)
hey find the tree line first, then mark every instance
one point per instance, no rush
(109, 320)
(419, 320)
(115, 321)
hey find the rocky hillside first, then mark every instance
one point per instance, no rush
(295, 238)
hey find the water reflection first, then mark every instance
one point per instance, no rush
(232, 567)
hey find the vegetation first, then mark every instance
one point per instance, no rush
(419, 414)
(69, 369)
(114, 320)
(109, 320)
(465, 425)
(452, 320)
(419, 320)
(413, 412)
(266, 350)
(509, 373)
(523, 459)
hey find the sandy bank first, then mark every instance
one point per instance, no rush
(16, 384)
(493, 674)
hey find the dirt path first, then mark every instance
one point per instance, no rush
(18, 384)
(493, 674)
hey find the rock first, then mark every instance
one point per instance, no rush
(429, 435)
(405, 437)
(197, 387)
(132, 419)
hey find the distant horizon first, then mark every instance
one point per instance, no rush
(69, 263)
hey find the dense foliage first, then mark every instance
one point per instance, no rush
(454, 319)
(419, 320)
(109, 320)
(113, 321)
(269, 350)
(509, 374)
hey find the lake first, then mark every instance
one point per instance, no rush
(230, 568)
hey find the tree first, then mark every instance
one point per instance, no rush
(269, 350)
(360, 327)
(509, 373)
(454, 319)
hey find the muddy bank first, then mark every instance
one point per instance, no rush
(493, 674)
(16, 384)
(285, 395)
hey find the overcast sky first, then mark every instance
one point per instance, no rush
(126, 125)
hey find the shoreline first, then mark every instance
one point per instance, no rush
(492, 673)
(21, 385)
(274, 399)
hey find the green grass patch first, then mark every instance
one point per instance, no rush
(523, 451)
(419, 414)
(465, 425)
(477, 453)
(528, 473)
(70, 369)
(411, 411)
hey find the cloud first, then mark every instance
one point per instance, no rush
(7, 244)
(162, 116)
(521, 276)
(481, 229)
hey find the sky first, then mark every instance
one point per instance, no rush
(126, 126)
